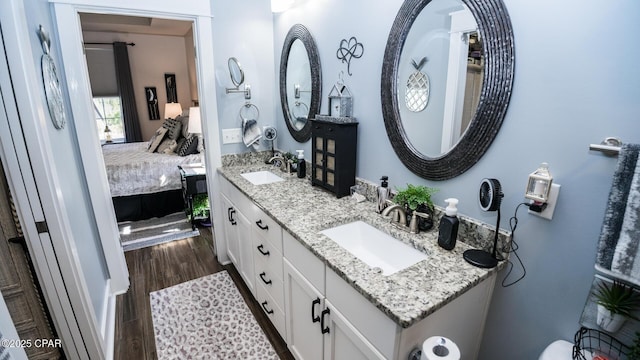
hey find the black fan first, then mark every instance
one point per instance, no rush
(490, 197)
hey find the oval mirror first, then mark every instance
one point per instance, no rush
(300, 82)
(446, 82)
(235, 71)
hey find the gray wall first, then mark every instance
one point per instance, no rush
(67, 163)
(243, 29)
(576, 83)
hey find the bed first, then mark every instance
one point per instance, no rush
(144, 184)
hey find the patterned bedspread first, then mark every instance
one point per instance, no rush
(132, 170)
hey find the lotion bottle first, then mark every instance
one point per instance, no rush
(302, 164)
(384, 193)
(448, 230)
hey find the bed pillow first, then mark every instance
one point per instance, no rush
(167, 146)
(190, 146)
(184, 120)
(156, 139)
(173, 127)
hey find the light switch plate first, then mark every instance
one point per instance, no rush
(232, 136)
(551, 203)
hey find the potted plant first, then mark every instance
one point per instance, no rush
(201, 206)
(417, 198)
(616, 303)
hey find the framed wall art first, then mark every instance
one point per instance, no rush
(152, 102)
(172, 91)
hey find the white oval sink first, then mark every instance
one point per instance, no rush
(261, 177)
(374, 247)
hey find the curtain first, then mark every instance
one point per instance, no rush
(127, 97)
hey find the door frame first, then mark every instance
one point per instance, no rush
(69, 30)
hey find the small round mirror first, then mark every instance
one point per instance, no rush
(235, 71)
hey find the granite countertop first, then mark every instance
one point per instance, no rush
(407, 296)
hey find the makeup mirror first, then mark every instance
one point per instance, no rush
(235, 71)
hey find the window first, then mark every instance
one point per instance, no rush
(108, 114)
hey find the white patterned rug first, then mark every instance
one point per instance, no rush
(154, 231)
(206, 318)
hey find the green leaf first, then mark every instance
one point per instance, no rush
(415, 195)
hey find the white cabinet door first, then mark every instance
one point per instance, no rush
(342, 341)
(230, 231)
(246, 252)
(303, 305)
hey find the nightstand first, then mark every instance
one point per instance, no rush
(194, 182)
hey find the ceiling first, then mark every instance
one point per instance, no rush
(133, 24)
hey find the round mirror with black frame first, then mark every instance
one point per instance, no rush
(494, 28)
(300, 82)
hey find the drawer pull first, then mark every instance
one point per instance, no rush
(268, 311)
(267, 282)
(315, 302)
(229, 213)
(325, 330)
(260, 248)
(263, 227)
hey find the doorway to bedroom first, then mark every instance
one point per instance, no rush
(147, 118)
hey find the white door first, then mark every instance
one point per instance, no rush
(230, 231)
(303, 307)
(246, 251)
(342, 341)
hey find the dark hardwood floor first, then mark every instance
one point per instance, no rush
(161, 266)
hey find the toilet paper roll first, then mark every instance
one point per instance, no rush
(439, 348)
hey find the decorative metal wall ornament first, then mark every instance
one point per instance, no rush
(52, 89)
(417, 93)
(172, 90)
(152, 102)
(348, 50)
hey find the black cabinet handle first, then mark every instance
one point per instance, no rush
(233, 221)
(325, 330)
(264, 306)
(267, 282)
(229, 214)
(260, 248)
(259, 223)
(315, 302)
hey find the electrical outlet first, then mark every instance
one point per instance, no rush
(232, 136)
(547, 213)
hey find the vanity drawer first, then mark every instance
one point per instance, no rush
(270, 307)
(266, 227)
(269, 255)
(271, 282)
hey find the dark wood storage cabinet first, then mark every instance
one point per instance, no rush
(333, 158)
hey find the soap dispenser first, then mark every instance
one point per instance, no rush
(449, 225)
(384, 193)
(302, 164)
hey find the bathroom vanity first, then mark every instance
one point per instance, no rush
(327, 303)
